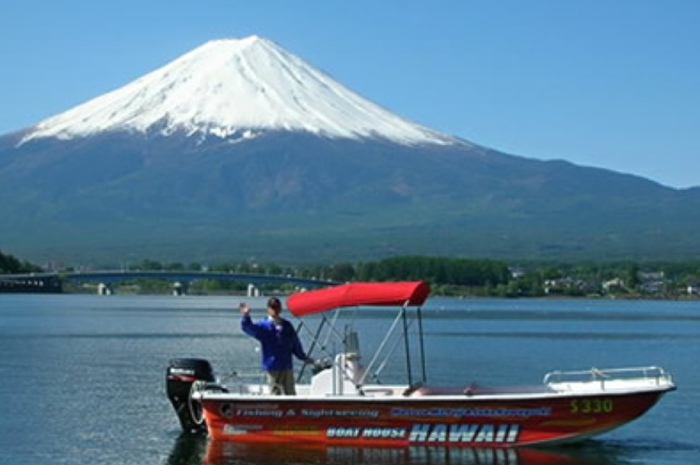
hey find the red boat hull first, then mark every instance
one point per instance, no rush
(465, 422)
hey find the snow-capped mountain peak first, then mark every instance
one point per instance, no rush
(236, 88)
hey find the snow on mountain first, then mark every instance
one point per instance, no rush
(236, 88)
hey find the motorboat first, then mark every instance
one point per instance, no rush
(343, 403)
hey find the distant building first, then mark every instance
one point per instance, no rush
(652, 282)
(615, 284)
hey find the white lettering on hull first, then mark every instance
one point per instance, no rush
(464, 433)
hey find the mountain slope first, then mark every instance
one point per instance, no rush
(294, 197)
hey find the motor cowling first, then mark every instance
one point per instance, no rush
(181, 375)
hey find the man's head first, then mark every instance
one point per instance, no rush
(274, 307)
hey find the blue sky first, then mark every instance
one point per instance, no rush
(607, 83)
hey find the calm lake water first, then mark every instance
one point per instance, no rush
(82, 377)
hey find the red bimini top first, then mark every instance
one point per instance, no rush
(411, 293)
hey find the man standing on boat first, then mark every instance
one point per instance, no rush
(279, 342)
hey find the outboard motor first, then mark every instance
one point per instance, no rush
(180, 377)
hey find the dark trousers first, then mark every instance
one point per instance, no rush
(281, 382)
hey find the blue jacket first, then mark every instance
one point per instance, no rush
(278, 342)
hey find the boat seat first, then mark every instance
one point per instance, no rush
(422, 390)
(377, 392)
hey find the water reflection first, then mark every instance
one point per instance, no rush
(189, 451)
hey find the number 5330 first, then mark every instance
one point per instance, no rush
(596, 405)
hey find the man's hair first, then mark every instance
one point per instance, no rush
(275, 304)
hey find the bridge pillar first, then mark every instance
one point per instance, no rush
(253, 291)
(104, 289)
(180, 288)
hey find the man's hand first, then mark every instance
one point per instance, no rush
(244, 308)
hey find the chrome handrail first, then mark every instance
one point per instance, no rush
(654, 373)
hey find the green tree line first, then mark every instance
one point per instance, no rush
(12, 265)
(483, 277)
(454, 276)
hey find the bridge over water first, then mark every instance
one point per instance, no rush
(53, 281)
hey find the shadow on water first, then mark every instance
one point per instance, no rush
(198, 450)
(188, 450)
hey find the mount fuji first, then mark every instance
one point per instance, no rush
(236, 89)
(240, 149)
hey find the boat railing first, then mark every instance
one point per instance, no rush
(650, 375)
